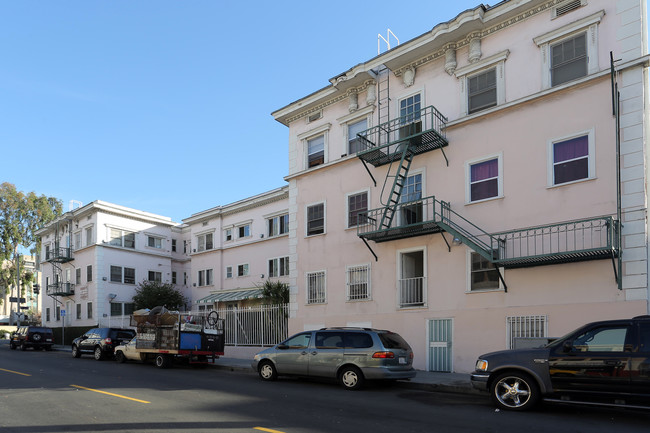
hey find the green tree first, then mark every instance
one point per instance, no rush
(150, 294)
(275, 292)
(21, 215)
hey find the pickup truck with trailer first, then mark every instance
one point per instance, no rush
(163, 335)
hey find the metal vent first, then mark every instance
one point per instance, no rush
(567, 7)
(315, 116)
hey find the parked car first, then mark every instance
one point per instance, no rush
(38, 337)
(605, 363)
(350, 355)
(101, 342)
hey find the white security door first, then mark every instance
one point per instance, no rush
(440, 345)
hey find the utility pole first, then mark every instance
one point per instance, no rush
(17, 290)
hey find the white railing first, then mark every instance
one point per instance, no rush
(264, 325)
(412, 292)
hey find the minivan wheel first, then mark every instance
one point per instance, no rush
(76, 353)
(267, 371)
(99, 355)
(514, 391)
(351, 378)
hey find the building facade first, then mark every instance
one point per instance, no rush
(478, 184)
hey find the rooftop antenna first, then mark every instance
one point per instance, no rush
(74, 204)
(386, 39)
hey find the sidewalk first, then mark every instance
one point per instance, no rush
(424, 380)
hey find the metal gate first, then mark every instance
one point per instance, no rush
(440, 345)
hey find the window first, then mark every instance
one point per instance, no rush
(156, 277)
(205, 242)
(358, 282)
(483, 274)
(228, 271)
(357, 204)
(329, 340)
(355, 144)
(129, 276)
(184, 247)
(602, 339)
(244, 231)
(299, 341)
(278, 225)
(484, 179)
(89, 236)
(116, 308)
(78, 311)
(77, 276)
(412, 281)
(173, 245)
(77, 240)
(116, 274)
(279, 267)
(411, 211)
(570, 52)
(409, 109)
(569, 60)
(571, 159)
(154, 242)
(205, 277)
(173, 277)
(89, 310)
(58, 313)
(316, 219)
(47, 314)
(316, 151)
(316, 287)
(525, 327)
(228, 234)
(89, 273)
(122, 238)
(185, 278)
(482, 90)
(242, 270)
(129, 307)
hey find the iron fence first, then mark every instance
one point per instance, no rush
(263, 325)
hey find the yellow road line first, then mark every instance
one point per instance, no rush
(15, 372)
(110, 393)
(267, 430)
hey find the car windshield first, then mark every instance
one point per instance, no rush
(391, 340)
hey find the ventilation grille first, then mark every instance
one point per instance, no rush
(318, 115)
(567, 7)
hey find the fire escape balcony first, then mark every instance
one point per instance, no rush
(570, 241)
(60, 289)
(422, 131)
(59, 255)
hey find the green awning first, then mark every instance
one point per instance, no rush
(231, 295)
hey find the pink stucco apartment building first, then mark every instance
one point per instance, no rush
(478, 184)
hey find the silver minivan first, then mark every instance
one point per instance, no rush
(350, 355)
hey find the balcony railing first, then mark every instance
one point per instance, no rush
(412, 292)
(423, 130)
(60, 289)
(59, 255)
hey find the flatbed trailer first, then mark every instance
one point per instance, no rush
(162, 336)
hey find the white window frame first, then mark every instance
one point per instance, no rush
(229, 273)
(349, 270)
(414, 92)
(398, 276)
(155, 273)
(275, 268)
(246, 269)
(310, 135)
(157, 240)
(316, 274)
(347, 207)
(591, 162)
(468, 177)
(78, 239)
(205, 278)
(468, 287)
(307, 235)
(201, 241)
(228, 234)
(123, 234)
(349, 119)
(243, 225)
(588, 25)
(275, 221)
(497, 61)
(89, 240)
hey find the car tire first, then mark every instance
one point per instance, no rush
(514, 391)
(23, 346)
(99, 354)
(119, 357)
(12, 346)
(351, 378)
(267, 371)
(76, 353)
(162, 361)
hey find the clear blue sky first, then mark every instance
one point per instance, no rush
(164, 106)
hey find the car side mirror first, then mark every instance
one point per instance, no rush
(568, 346)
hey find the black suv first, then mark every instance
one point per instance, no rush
(38, 337)
(101, 342)
(606, 363)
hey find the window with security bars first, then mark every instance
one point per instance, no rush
(482, 90)
(569, 59)
(358, 282)
(525, 327)
(316, 287)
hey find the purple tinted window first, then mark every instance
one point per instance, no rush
(571, 160)
(484, 180)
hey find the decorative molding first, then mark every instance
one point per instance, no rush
(353, 103)
(450, 59)
(409, 76)
(474, 49)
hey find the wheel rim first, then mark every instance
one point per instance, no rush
(512, 392)
(266, 371)
(74, 350)
(350, 379)
(98, 353)
(37, 337)
(160, 361)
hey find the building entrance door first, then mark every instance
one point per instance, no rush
(440, 345)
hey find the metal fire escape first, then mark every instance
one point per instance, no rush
(57, 256)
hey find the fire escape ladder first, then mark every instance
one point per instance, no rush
(399, 180)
